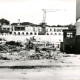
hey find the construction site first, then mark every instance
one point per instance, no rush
(25, 55)
(30, 48)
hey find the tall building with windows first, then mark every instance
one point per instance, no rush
(25, 29)
(22, 31)
(5, 26)
(55, 31)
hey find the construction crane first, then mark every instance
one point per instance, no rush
(49, 10)
(44, 18)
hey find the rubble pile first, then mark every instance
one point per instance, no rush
(11, 51)
(30, 55)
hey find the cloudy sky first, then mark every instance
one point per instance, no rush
(31, 11)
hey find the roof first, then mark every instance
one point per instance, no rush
(67, 30)
(14, 23)
(24, 23)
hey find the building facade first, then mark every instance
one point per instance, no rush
(56, 31)
(69, 41)
(18, 29)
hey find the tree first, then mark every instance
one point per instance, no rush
(4, 21)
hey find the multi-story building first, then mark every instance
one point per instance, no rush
(52, 34)
(6, 27)
(56, 31)
(42, 33)
(25, 29)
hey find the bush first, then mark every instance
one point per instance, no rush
(14, 43)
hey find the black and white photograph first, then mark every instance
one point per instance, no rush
(39, 39)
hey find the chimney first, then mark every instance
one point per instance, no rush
(77, 17)
(18, 21)
(78, 27)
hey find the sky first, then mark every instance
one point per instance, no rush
(31, 11)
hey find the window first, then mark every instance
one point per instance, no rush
(58, 30)
(10, 32)
(58, 46)
(47, 33)
(39, 29)
(14, 33)
(19, 28)
(26, 33)
(18, 33)
(50, 29)
(54, 30)
(55, 33)
(35, 33)
(33, 29)
(69, 35)
(31, 33)
(8, 28)
(59, 33)
(4, 28)
(22, 33)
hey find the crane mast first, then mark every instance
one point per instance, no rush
(49, 10)
(44, 18)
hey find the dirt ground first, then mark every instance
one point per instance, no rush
(67, 68)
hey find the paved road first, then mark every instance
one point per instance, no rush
(59, 73)
(67, 68)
